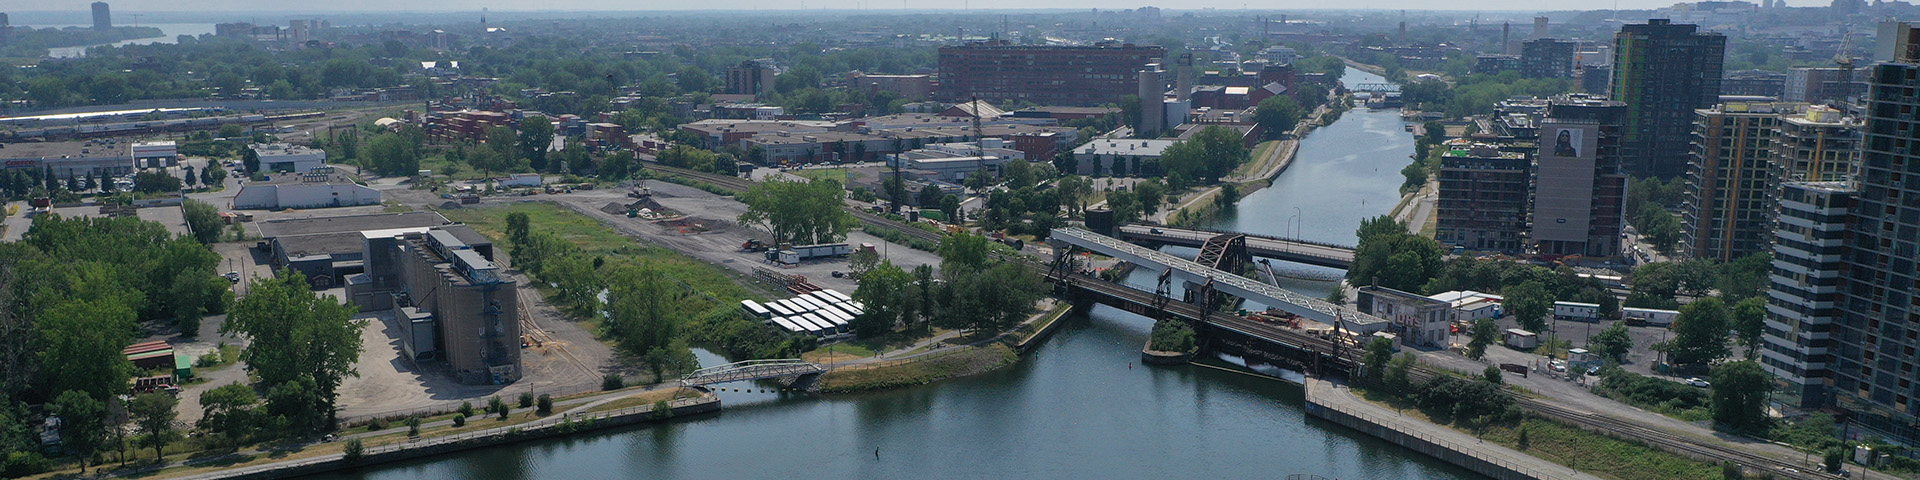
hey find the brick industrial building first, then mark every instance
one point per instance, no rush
(1045, 75)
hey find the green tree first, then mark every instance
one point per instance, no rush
(885, 291)
(965, 251)
(1277, 115)
(153, 414)
(1492, 375)
(1388, 256)
(950, 206)
(1740, 396)
(1612, 343)
(536, 136)
(1484, 333)
(298, 339)
(82, 423)
(1749, 321)
(1699, 333)
(1019, 174)
(929, 196)
(641, 308)
(519, 226)
(1207, 156)
(1529, 303)
(227, 411)
(1172, 335)
(250, 159)
(392, 154)
(1660, 228)
(862, 261)
(83, 342)
(801, 213)
(1379, 352)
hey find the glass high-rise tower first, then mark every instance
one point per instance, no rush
(1663, 72)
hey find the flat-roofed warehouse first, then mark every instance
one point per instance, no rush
(328, 249)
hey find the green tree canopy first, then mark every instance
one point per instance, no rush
(1277, 115)
(1740, 396)
(801, 213)
(296, 335)
(1700, 333)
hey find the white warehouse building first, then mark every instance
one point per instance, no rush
(313, 190)
(283, 157)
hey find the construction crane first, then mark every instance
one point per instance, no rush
(1845, 61)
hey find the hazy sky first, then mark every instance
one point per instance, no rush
(637, 5)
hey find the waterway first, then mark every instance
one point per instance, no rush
(170, 33)
(1341, 174)
(1079, 406)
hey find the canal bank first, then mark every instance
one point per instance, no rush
(1071, 408)
(1335, 403)
(564, 424)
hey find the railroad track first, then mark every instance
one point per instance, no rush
(1658, 438)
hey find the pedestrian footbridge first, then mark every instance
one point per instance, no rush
(751, 370)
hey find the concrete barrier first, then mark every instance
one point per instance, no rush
(550, 427)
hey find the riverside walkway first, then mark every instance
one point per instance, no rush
(1334, 402)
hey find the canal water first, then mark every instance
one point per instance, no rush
(1079, 406)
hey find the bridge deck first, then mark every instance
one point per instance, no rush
(1306, 307)
(1311, 253)
(750, 370)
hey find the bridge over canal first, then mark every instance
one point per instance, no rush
(1278, 248)
(751, 370)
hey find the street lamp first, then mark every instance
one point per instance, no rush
(1303, 222)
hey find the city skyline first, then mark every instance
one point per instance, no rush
(365, 6)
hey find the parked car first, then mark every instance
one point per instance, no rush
(1697, 382)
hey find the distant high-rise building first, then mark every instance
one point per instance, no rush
(1152, 89)
(1595, 79)
(6, 29)
(1547, 58)
(1579, 191)
(1083, 76)
(1823, 84)
(1728, 211)
(1804, 288)
(1483, 196)
(102, 19)
(1663, 72)
(1539, 27)
(1878, 330)
(751, 77)
(1493, 64)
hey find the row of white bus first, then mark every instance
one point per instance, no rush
(825, 313)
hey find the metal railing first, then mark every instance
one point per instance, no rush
(1496, 455)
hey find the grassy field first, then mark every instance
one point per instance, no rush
(917, 371)
(596, 240)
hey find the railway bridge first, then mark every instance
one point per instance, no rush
(1278, 248)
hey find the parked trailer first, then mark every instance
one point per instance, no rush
(1649, 316)
(840, 310)
(788, 325)
(779, 309)
(822, 298)
(806, 304)
(1576, 311)
(837, 295)
(801, 253)
(1522, 339)
(821, 326)
(793, 306)
(753, 308)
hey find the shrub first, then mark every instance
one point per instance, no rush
(612, 382)
(494, 405)
(662, 410)
(1523, 441)
(526, 400)
(377, 424)
(504, 411)
(459, 420)
(354, 450)
(466, 409)
(413, 426)
(546, 404)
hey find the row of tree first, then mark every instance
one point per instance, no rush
(974, 292)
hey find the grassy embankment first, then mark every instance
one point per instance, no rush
(918, 371)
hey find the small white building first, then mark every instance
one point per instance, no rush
(158, 154)
(1421, 320)
(1470, 305)
(283, 157)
